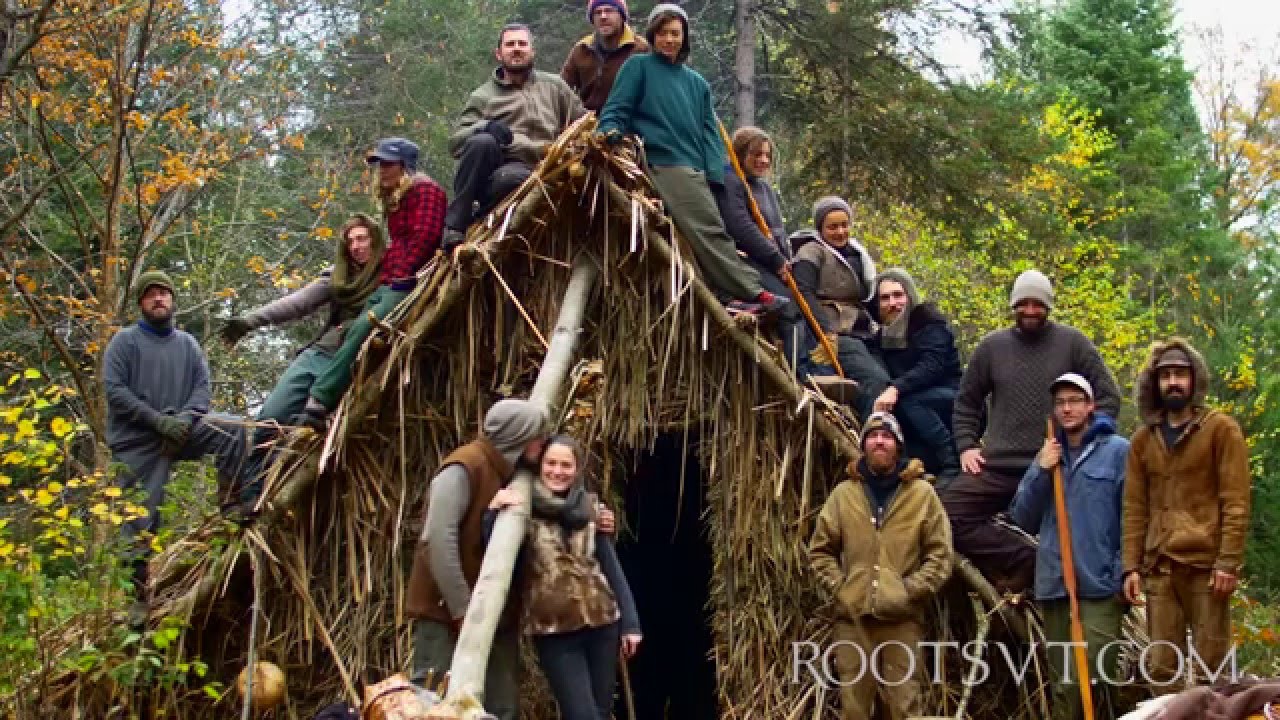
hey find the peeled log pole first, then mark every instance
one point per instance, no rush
(489, 596)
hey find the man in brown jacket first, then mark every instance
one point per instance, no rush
(1186, 514)
(883, 547)
(594, 61)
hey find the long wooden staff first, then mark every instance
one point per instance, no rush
(786, 276)
(1069, 577)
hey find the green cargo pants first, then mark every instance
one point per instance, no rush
(1101, 620)
(332, 384)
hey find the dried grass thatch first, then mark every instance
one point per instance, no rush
(658, 354)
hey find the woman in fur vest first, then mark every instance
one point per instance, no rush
(577, 603)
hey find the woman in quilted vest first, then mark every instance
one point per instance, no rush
(578, 606)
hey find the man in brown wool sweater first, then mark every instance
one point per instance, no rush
(1006, 380)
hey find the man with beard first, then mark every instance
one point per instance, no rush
(157, 387)
(505, 130)
(916, 346)
(594, 62)
(1005, 383)
(413, 210)
(1186, 514)
(446, 562)
(882, 546)
(1092, 460)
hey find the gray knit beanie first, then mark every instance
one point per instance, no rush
(510, 424)
(825, 206)
(1032, 285)
(881, 420)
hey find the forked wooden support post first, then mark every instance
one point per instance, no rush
(489, 596)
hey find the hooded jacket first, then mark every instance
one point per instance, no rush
(1093, 482)
(535, 113)
(590, 69)
(446, 561)
(836, 285)
(1190, 503)
(883, 568)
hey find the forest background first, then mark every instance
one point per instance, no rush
(225, 144)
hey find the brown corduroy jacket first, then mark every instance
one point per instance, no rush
(487, 471)
(886, 572)
(1188, 503)
(590, 71)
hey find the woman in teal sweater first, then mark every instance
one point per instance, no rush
(659, 98)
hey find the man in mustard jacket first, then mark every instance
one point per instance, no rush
(883, 547)
(1186, 514)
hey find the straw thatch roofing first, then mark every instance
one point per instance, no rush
(658, 354)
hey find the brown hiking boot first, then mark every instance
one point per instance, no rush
(838, 389)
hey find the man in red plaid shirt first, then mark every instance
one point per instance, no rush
(413, 208)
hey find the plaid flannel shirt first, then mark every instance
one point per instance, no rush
(415, 228)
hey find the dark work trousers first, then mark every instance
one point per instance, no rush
(433, 646)
(484, 177)
(858, 365)
(971, 502)
(149, 465)
(581, 668)
(790, 321)
(926, 422)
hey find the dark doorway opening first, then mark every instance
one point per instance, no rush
(667, 557)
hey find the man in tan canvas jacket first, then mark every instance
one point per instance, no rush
(1186, 513)
(883, 547)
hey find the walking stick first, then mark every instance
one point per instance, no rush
(786, 276)
(1069, 578)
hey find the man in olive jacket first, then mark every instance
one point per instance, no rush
(1186, 514)
(883, 547)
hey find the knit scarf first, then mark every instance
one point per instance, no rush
(572, 511)
(389, 200)
(350, 286)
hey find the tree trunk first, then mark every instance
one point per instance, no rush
(744, 63)
(490, 593)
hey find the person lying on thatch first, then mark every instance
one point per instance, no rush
(668, 105)
(836, 276)
(882, 546)
(1091, 457)
(450, 550)
(342, 290)
(768, 254)
(413, 208)
(577, 604)
(915, 344)
(1011, 368)
(157, 387)
(504, 130)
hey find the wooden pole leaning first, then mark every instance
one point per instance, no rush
(1069, 579)
(786, 276)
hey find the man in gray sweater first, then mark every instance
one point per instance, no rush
(157, 387)
(1007, 380)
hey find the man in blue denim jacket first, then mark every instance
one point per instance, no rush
(1092, 459)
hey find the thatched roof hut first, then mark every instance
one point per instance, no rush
(717, 459)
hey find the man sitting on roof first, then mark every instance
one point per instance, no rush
(594, 61)
(505, 129)
(413, 208)
(916, 346)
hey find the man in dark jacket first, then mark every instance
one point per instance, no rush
(157, 386)
(505, 130)
(1091, 457)
(594, 61)
(915, 344)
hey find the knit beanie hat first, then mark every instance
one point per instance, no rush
(619, 5)
(659, 15)
(510, 424)
(825, 206)
(881, 420)
(894, 335)
(152, 278)
(1032, 285)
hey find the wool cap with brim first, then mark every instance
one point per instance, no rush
(1074, 380)
(1174, 357)
(395, 149)
(1032, 285)
(619, 5)
(153, 278)
(881, 420)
